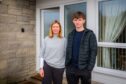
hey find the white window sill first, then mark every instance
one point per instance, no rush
(112, 72)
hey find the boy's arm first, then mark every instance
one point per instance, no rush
(93, 51)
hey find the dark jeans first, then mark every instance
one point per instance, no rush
(52, 75)
(73, 75)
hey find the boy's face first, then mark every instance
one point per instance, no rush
(79, 22)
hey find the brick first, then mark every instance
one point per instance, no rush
(14, 7)
(23, 19)
(13, 46)
(32, 51)
(9, 27)
(26, 3)
(28, 11)
(7, 54)
(32, 22)
(32, 2)
(7, 36)
(21, 52)
(28, 44)
(24, 36)
(32, 7)
(4, 18)
(3, 45)
(22, 3)
(3, 9)
(3, 27)
(14, 64)
(15, 11)
(3, 64)
(16, 3)
(5, 2)
(14, 27)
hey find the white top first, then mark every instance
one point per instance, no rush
(53, 52)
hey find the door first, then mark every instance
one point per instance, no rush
(47, 17)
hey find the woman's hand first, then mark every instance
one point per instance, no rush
(41, 72)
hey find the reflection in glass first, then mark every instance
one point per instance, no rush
(49, 16)
(69, 10)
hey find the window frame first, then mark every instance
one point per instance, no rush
(113, 72)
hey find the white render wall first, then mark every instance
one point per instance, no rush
(106, 76)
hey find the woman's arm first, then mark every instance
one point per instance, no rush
(42, 52)
(41, 56)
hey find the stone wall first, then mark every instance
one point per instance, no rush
(17, 40)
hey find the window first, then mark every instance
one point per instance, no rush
(49, 15)
(112, 29)
(69, 10)
(116, 59)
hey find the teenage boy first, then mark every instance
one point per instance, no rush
(81, 51)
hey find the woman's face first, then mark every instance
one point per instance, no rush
(55, 28)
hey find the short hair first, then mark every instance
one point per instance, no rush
(78, 14)
(51, 32)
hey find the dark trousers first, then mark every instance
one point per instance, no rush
(74, 75)
(52, 75)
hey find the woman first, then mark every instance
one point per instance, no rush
(53, 55)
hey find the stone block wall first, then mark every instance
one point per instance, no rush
(17, 40)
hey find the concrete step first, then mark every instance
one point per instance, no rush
(36, 79)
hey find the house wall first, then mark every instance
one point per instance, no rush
(17, 49)
(103, 75)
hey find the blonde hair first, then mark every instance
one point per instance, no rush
(51, 32)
